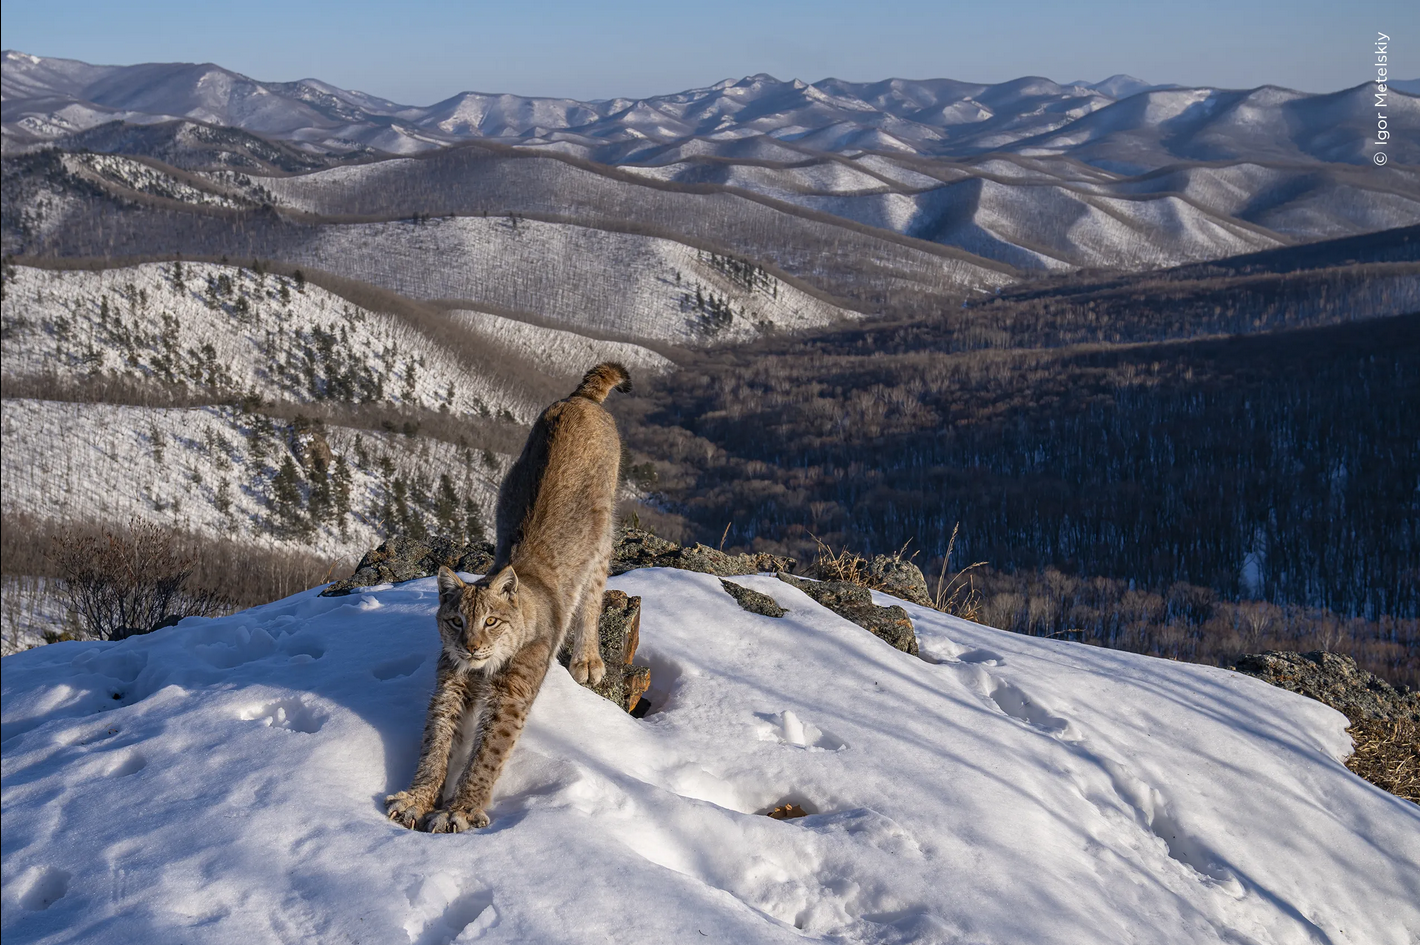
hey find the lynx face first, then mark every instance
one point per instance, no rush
(479, 623)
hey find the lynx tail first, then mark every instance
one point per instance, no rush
(602, 380)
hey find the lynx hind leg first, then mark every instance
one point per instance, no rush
(587, 665)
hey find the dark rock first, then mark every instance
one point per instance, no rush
(636, 548)
(399, 559)
(619, 632)
(476, 560)
(1335, 680)
(855, 602)
(753, 601)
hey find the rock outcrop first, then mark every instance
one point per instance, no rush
(1335, 680)
(753, 601)
(620, 633)
(855, 602)
(900, 578)
(636, 548)
(403, 559)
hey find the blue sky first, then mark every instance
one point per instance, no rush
(420, 51)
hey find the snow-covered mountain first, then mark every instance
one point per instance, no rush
(1028, 174)
(222, 781)
(1121, 120)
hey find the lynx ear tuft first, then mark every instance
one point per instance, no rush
(506, 583)
(449, 582)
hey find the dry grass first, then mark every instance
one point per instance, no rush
(959, 596)
(843, 565)
(1388, 755)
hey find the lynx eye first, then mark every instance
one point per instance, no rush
(489, 621)
(457, 621)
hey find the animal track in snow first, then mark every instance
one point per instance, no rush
(1153, 810)
(865, 825)
(395, 668)
(307, 648)
(981, 656)
(290, 714)
(441, 911)
(1019, 705)
(43, 888)
(665, 679)
(246, 646)
(122, 666)
(787, 728)
(131, 763)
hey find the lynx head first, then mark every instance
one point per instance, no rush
(480, 623)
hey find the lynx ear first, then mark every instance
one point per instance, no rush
(506, 583)
(449, 582)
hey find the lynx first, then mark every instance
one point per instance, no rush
(501, 633)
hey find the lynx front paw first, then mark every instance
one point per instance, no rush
(592, 670)
(454, 821)
(403, 809)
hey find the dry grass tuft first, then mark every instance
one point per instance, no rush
(959, 596)
(843, 565)
(1388, 755)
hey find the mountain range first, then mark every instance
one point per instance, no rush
(1026, 174)
(204, 272)
(1122, 122)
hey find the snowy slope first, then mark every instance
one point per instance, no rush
(554, 349)
(582, 279)
(201, 471)
(221, 781)
(237, 330)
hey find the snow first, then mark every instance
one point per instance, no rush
(196, 470)
(559, 272)
(264, 334)
(222, 781)
(554, 350)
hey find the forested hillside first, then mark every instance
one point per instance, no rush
(1250, 434)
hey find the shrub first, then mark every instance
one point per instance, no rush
(121, 584)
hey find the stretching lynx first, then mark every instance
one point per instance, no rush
(500, 633)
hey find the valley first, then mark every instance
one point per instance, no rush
(1155, 338)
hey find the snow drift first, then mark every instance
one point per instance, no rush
(222, 781)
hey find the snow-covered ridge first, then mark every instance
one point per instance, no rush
(223, 779)
(553, 349)
(47, 98)
(233, 329)
(579, 278)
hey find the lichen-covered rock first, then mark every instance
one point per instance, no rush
(1335, 680)
(753, 601)
(900, 578)
(636, 548)
(855, 602)
(399, 559)
(619, 633)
